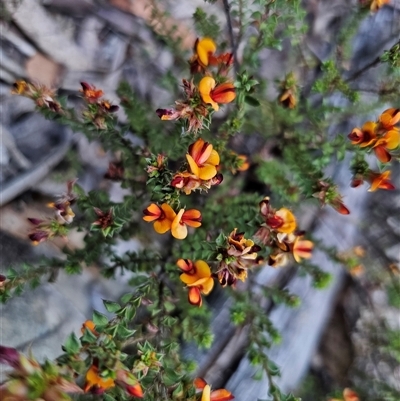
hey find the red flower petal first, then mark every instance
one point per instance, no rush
(194, 296)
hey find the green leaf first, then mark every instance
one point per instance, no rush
(273, 368)
(111, 306)
(72, 345)
(126, 298)
(251, 101)
(88, 337)
(99, 319)
(11, 274)
(124, 332)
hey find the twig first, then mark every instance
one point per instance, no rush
(373, 63)
(227, 9)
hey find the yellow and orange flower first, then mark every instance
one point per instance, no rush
(129, 382)
(389, 141)
(162, 216)
(203, 159)
(389, 118)
(208, 395)
(166, 219)
(198, 277)
(240, 256)
(90, 93)
(348, 395)
(20, 88)
(302, 249)
(204, 48)
(204, 55)
(366, 136)
(89, 325)
(186, 182)
(380, 181)
(288, 99)
(283, 221)
(95, 382)
(278, 259)
(214, 94)
(184, 218)
(376, 5)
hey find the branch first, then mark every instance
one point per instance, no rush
(227, 9)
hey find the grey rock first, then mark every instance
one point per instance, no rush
(48, 34)
(36, 315)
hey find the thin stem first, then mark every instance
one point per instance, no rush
(227, 9)
(354, 76)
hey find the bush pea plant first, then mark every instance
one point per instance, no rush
(191, 206)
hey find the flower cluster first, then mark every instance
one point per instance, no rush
(201, 172)
(198, 278)
(33, 381)
(106, 222)
(351, 260)
(212, 89)
(383, 137)
(279, 232)
(236, 255)
(40, 94)
(327, 193)
(63, 215)
(288, 92)
(97, 381)
(99, 110)
(165, 219)
(237, 258)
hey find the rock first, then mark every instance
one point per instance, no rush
(161, 25)
(48, 34)
(35, 315)
(42, 70)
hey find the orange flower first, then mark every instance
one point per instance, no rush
(282, 221)
(90, 93)
(211, 93)
(302, 249)
(380, 181)
(197, 276)
(208, 395)
(278, 259)
(288, 99)
(184, 218)
(348, 395)
(203, 159)
(20, 88)
(366, 136)
(389, 118)
(376, 5)
(129, 383)
(204, 49)
(89, 325)
(339, 206)
(166, 219)
(389, 141)
(162, 216)
(95, 382)
(186, 182)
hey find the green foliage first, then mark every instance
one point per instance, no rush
(393, 291)
(140, 343)
(392, 56)
(332, 80)
(206, 25)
